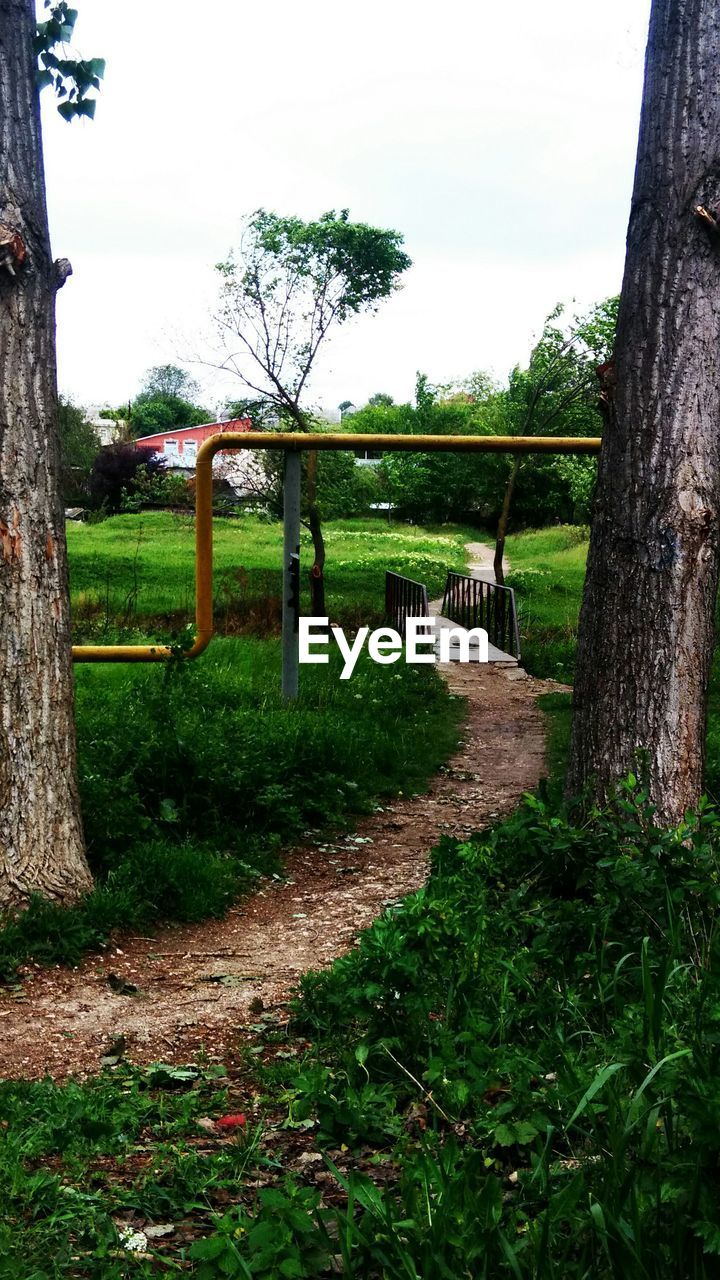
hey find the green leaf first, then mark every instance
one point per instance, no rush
(209, 1249)
(291, 1267)
(504, 1135)
(601, 1079)
(525, 1132)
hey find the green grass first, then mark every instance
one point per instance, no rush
(514, 1075)
(547, 573)
(138, 570)
(78, 1161)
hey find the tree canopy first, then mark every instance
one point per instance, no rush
(167, 401)
(288, 286)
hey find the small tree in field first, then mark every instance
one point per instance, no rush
(288, 287)
(557, 393)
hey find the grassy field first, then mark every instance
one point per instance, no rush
(547, 573)
(137, 571)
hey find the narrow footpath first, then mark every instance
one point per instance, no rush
(199, 988)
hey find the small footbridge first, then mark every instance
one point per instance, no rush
(469, 600)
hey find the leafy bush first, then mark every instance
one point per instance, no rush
(549, 1004)
(116, 470)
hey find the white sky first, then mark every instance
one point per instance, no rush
(500, 140)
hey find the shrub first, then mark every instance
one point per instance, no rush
(117, 469)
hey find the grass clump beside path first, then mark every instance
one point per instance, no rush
(547, 573)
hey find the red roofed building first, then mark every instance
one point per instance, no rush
(179, 448)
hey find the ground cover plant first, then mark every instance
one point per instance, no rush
(547, 571)
(514, 1074)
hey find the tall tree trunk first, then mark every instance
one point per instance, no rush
(317, 570)
(646, 628)
(41, 843)
(503, 521)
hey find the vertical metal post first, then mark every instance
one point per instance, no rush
(291, 576)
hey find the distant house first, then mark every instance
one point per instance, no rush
(107, 430)
(179, 448)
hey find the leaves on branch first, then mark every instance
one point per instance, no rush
(291, 283)
(73, 79)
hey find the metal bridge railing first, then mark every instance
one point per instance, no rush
(473, 602)
(404, 599)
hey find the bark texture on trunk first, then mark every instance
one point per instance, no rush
(646, 627)
(41, 842)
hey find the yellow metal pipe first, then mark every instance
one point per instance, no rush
(292, 442)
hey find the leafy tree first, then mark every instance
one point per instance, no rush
(381, 400)
(79, 445)
(41, 839)
(262, 413)
(289, 286)
(439, 486)
(165, 413)
(648, 614)
(169, 380)
(167, 401)
(557, 394)
(343, 488)
(384, 419)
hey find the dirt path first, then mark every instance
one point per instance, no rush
(480, 561)
(200, 986)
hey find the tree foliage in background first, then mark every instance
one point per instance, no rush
(79, 446)
(557, 395)
(282, 294)
(261, 412)
(167, 401)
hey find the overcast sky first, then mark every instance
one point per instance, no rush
(498, 138)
